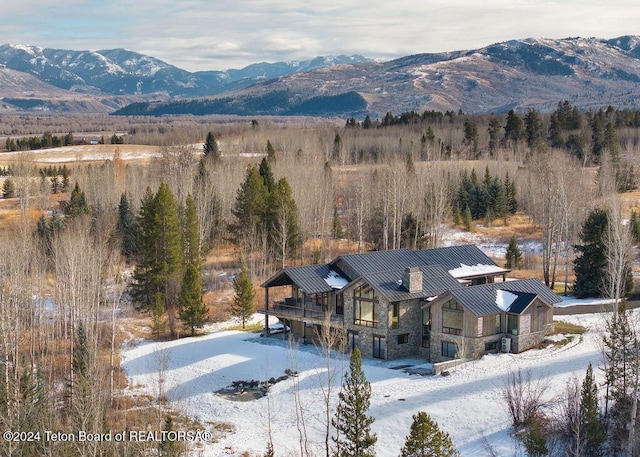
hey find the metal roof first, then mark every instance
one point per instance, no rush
(481, 300)
(435, 280)
(453, 256)
(378, 261)
(309, 278)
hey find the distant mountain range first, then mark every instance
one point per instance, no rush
(519, 74)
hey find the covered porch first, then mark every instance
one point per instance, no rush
(313, 298)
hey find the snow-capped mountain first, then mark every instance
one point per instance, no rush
(122, 72)
(520, 74)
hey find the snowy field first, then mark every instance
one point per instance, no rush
(467, 403)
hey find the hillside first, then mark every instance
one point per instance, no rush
(56, 80)
(518, 74)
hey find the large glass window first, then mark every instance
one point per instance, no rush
(449, 349)
(364, 304)
(452, 318)
(512, 324)
(395, 312)
(426, 327)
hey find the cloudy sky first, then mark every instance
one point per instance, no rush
(220, 34)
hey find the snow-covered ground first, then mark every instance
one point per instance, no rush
(468, 403)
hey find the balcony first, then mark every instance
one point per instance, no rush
(292, 310)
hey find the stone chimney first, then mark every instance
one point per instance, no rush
(412, 279)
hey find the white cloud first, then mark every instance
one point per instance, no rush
(219, 34)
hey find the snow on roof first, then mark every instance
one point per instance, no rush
(504, 299)
(335, 281)
(474, 270)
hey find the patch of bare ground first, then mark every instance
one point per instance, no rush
(519, 225)
(85, 154)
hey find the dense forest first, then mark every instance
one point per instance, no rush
(88, 242)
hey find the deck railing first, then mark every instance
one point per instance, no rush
(286, 309)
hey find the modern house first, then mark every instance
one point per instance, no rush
(440, 304)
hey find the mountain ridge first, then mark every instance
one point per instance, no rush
(519, 74)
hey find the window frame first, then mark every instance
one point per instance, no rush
(455, 312)
(359, 301)
(449, 345)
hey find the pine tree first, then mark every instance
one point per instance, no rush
(250, 207)
(192, 311)
(353, 425)
(168, 448)
(159, 272)
(271, 152)
(621, 361)
(191, 248)
(210, 148)
(267, 175)
(243, 301)
(589, 416)
(590, 263)
(494, 135)
(127, 228)
(513, 255)
(77, 205)
(427, 440)
(535, 441)
(467, 220)
(533, 128)
(282, 222)
(8, 188)
(511, 195)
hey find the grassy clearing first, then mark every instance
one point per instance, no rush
(571, 329)
(253, 328)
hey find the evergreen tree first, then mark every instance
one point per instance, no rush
(243, 301)
(535, 442)
(590, 416)
(210, 148)
(77, 205)
(590, 263)
(271, 152)
(494, 135)
(250, 207)
(168, 448)
(267, 175)
(555, 132)
(467, 220)
(158, 274)
(191, 247)
(457, 216)
(353, 425)
(513, 255)
(427, 440)
(511, 195)
(471, 136)
(514, 127)
(8, 188)
(192, 311)
(533, 128)
(284, 230)
(127, 228)
(621, 362)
